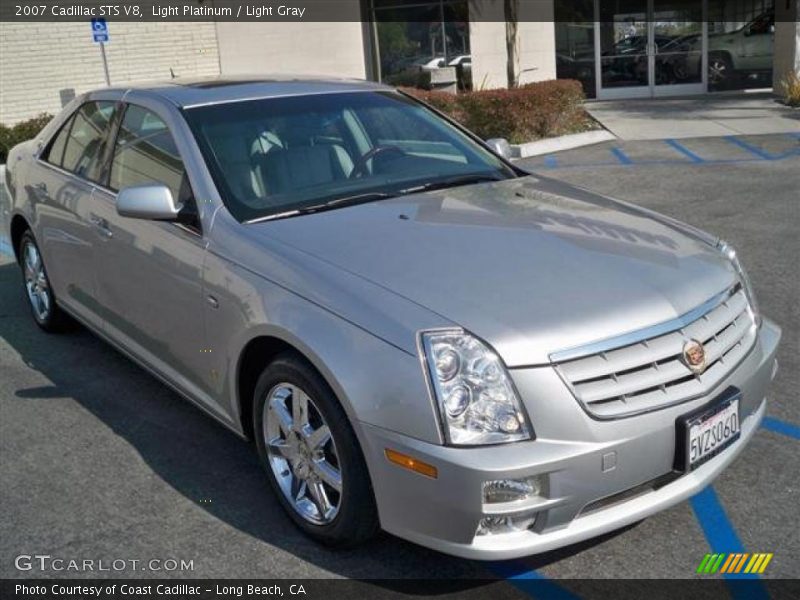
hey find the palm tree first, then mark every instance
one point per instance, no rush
(511, 13)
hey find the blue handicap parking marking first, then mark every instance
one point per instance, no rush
(748, 152)
(755, 150)
(623, 158)
(684, 150)
(782, 427)
(5, 247)
(550, 161)
(722, 537)
(531, 581)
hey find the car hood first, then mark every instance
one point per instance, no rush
(532, 266)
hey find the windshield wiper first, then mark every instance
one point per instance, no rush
(450, 182)
(330, 204)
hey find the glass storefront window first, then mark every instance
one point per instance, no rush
(656, 47)
(575, 43)
(740, 44)
(417, 36)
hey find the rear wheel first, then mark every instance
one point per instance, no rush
(311, 454)
(40, 295)
(720, 70)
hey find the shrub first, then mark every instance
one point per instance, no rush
(22, 131)
(791, 88)
(523, 114)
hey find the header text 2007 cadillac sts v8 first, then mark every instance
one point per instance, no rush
(417, 335)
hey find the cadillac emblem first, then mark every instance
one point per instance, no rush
(694, 355)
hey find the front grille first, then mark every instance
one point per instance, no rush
(650, 373)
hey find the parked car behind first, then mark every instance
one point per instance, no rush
(416, 334)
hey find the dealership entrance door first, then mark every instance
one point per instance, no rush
(650, 48)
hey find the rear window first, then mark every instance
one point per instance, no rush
(55, 152)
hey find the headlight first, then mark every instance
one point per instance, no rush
(728, 252)
(477, 402)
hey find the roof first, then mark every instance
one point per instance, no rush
(187, 92)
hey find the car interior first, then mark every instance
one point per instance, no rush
(264, 161)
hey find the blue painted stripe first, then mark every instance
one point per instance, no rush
(731, 139)
(782, 427)
(531, 581)
(650, 163)
(684, 150)
(621, 156)
(5, 248)
(722, 537)
(550, 161)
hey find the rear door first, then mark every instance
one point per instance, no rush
(63, 182)
(149, 278)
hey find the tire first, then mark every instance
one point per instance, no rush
(720, 70)
(295, 458)
(38, 291)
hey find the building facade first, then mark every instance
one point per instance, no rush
(616, 48)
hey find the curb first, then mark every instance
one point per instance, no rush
(564, 142)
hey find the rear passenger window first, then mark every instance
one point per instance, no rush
(146, 153)
(87, 139)
(55, 153)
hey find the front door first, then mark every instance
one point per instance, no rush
(649, 48)
(150, 273)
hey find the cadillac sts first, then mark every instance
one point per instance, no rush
(416, 334)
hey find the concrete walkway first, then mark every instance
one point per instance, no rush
(697, 116)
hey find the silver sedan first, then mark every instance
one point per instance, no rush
(417, 335)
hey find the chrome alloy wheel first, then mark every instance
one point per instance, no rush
(302, 454)
(717, 70)
(36, 283)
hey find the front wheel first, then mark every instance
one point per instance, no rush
(311, 454)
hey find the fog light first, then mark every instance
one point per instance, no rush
(510, 490)
(499, 525)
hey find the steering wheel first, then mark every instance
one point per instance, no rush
(360, 166)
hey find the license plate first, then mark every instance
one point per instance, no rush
(709, 432)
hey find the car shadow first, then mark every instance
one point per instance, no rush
(206, 463)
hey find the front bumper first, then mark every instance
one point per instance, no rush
(597, 476)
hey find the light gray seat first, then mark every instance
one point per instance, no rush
(304, 166)
(234, 154)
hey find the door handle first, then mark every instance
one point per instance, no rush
(101, 225)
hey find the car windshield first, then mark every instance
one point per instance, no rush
(284, 156)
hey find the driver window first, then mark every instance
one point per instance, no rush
(145, 152)
(762, 25)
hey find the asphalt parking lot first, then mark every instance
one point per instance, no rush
(99, 460)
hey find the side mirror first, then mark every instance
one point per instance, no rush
(500, 146)
(152, 201)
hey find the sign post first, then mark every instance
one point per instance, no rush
(100, 36)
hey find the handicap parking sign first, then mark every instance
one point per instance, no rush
(99, 30)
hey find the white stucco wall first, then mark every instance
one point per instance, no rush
(536, 38)
(787, 43)
(39, 59)
(304, 48)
